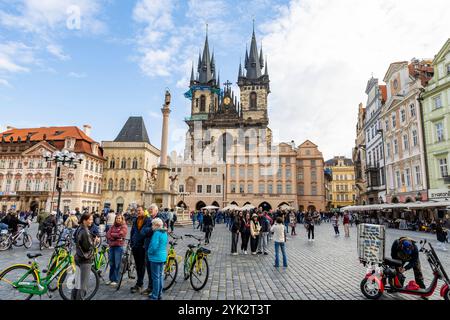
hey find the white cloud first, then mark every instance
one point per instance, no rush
(77, 75)
(57, 51)
(5, 83)
(15, 56)
(321, 54)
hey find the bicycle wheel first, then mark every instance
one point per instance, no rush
(67, 283)
(170, 273)
(131, 267)
(199, 274)
(14, 273)
(5, 242)
(27, 240)
(123, 269)
(186, 265)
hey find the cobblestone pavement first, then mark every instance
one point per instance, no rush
(327, 269)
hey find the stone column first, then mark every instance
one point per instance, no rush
(165, 130)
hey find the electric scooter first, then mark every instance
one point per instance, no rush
(384, 276)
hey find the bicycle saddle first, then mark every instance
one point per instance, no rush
(32, 256)
(191, 246)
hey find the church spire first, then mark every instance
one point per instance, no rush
(266, 72)
(254, 63)
(261, 57)
(240, 70)
(206, 67)
(192, 73)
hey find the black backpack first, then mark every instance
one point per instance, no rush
(174, 218)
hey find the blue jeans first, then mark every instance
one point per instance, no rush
(3, 226)
(157, 279)
(277, 256)
(115, 256)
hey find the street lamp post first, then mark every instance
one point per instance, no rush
(62, 158)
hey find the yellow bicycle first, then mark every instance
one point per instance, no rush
(196, 264)
(171, 266)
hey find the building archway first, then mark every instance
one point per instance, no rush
(181, 204)
(34, 206)
(235, 203)
(394, 200)
(247, 203)
(120, 204)
(200, 205)
(283, 204)
(215, 204)
(265, 206)
(408, 200)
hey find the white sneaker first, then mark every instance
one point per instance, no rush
(113, 284)
(245, 252)
(312, 240)
(108, 282)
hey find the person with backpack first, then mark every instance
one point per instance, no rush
(48, 227)
(263, 234)
(309, 225)
(84, 256)
(173, 221)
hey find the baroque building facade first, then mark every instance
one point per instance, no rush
(343, 189)
(359, 157)
(401, 122)
(27, 181)
(130, 166)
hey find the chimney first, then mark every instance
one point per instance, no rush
(9, 128)
(87, 129)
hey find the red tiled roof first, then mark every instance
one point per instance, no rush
(383, 91)
(52, 134)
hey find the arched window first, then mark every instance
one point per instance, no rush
(112, 164)
(123, 164)
(202, 103)
(122, 185)
(135, 163)
(110, 184)
(253, 101)
(133, 185)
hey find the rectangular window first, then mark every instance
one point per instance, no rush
(395, 146)
(403, 115)
(250, 188)
(288, 160)
(241, 172)
(412, 109)
(11, 164)
(394, 123)
(313, 163)
(397, 175)
(249, 172)
(279, 188)
(31, 164)
(405, 142)
(386, 124)
(233, 172)
(19, 165)
(207, 170)
(279, 173)
(200, 169)
(437, 102)
(199, 188)
(37, 186)
(300, 175)
(418, 178)
(233, 188)
(17, 185)
(448, 68)
(299, 162)
(218, 188)
(408, 177)
(90, 187)
(270, 188)
(313, 175)
(208, 188)
(288, 188)
(288, 173)
(300, 189)
(439, 132)
(181, 188)
(415, 138)
(85, 187)
(314, 190)
(443, 167)
(262, 188)
(388, 149)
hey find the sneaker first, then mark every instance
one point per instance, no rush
(136, 289)
(253, 253)
(113, 284)
(108, 282)
(259, 252)
(245, 252)
(265, 253)
(147, 292)
(51, 247)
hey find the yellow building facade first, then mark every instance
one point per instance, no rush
(343, 185)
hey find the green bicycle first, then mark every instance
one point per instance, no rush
(22, 282)
(195, 264)
(171, 266)
(101, 260)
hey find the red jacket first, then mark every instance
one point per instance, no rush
(116, 235)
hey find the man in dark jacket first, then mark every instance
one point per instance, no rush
(13, 221)
(264, 233)
(207, 225)
(137, 248)
(235, 227)
(405, 249)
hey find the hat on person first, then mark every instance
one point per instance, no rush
(73, 212)
(407, 247)
(254, 216)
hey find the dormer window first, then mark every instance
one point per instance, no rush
(70, 143)
(95, 149)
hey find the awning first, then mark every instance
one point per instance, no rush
(410, 205)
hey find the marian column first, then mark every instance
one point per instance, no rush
(163, 196)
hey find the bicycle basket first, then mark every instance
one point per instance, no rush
(204, 251)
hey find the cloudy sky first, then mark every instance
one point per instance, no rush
(75, 62)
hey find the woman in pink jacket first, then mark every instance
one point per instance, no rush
(116, 239)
